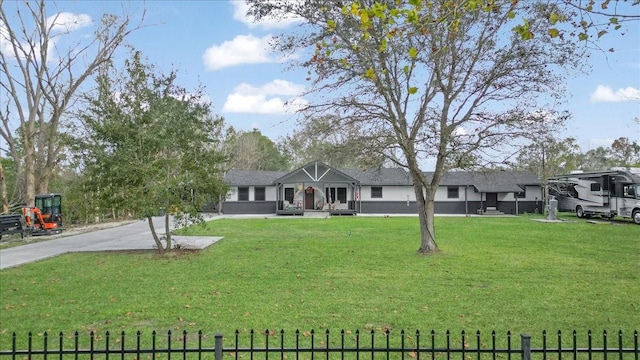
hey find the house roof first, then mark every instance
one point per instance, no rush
(484, 181)
(316, 171)
(490, 180)
(252, 177)
(383, 176)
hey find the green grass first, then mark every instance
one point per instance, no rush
(343, 273)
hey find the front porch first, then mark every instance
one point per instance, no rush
(490, 210)
(500, 203)
(316, 213)
(317, 187)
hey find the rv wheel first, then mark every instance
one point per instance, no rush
(636, 216)
(579, 211)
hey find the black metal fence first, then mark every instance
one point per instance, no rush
(323, 345)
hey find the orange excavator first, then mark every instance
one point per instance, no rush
(46, 217)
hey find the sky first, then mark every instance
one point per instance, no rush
(214, 44)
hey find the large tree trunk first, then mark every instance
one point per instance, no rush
(426, 209)
(28, 197)
(44, 169)
(167, 229)
(42, 186)
(3, 190)
(155, 235)
(47, 155)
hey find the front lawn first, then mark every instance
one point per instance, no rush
(343, 273)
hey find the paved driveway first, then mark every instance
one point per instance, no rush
(134, 236)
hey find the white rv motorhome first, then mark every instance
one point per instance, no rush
(600, 193)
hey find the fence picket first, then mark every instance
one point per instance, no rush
(400, 346)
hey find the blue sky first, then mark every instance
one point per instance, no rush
(213, 43)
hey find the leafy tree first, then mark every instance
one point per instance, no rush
(40, 77)
(77, 202)
(625, 152)
(426, 80)
(151, 145)
(597, 159)
(550, 157)
(250, 150)
(326, 139)
(8, 187)
(588, 20)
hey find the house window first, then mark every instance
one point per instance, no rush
(336, 194)
(522, 194)
(342, 195)
(288, 194)
(330, 193)
(259, 193)
(243, 194)
(452, 192)
(376, 192)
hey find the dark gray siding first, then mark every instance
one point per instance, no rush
(249, 207)
(210, 207)
(507, 207)
(529, 207)
(400, 207)
(450, 207)
(390, 207)
(445, 207)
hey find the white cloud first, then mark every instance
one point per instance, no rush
(68, 22)
(460, 131)
(240, 14)
(61, 23)
(275, 87)
(5, 44)
(606, 94)
(277, 97)
(243, 49)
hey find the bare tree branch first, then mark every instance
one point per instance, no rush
(42, 79)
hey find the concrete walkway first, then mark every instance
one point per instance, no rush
(133, 236)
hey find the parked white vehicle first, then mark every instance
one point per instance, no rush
(600, 193)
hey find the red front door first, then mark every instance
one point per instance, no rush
(308, 201)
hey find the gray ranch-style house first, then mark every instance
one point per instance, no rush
(317, 187)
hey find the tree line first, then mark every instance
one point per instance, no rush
(561, 156)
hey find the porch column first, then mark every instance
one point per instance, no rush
(278, 195)
(466, 200)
